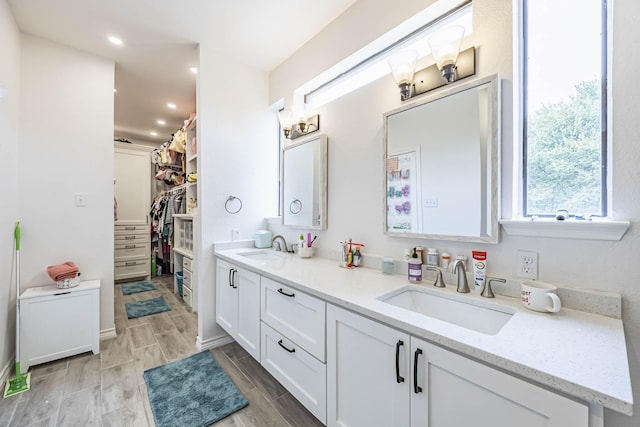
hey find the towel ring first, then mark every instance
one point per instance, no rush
(295, 207)
(230, 199)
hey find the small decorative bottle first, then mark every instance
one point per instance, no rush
(415, 268)
(357, 257)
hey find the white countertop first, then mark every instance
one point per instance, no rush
(578, 353)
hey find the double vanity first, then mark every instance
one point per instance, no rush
(359, 348)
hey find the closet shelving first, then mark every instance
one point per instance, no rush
(184, 224)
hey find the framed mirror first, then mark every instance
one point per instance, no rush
(304, 183)
(442, 165)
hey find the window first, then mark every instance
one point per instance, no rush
(565, 107)
(370, 62)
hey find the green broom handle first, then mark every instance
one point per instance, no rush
(16, 234)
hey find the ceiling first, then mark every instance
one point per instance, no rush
(160, 40)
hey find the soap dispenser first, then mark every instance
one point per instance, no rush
(415, 268)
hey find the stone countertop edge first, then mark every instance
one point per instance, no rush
(579, 353)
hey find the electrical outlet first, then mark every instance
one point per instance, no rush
(527, 264)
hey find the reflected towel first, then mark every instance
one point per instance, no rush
(59, 272)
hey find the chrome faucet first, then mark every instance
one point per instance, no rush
(439, 282)
(284, 242)
(459, 268)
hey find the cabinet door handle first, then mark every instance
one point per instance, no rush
(233, 279)
(416, 388)
(290, 350)
(399, 379)
(291, 295)
(230, 272)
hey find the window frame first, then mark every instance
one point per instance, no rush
(604, 88)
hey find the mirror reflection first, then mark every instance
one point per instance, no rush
(442, 165)
(304, 184)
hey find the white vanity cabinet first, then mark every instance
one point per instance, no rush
(365, 361)
(378, 376)
(293, 343)
(238, 305)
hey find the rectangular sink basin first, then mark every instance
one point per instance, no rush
(260, 255)
(488, 320)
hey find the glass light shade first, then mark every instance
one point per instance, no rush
(403, 66)
(285, 118)
(445, 45)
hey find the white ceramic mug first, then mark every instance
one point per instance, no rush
(540, 296)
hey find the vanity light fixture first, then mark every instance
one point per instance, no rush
(297, 124)
(445, 48)
(451, 64)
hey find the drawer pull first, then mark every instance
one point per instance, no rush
(416, 388)
(129, 237)
(129, 228)
(291, 295)
(130, 246)
(399, 379)
(130, 263)
(61, 293)
(290, 350)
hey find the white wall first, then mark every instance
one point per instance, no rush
(355, 130)
(10, 90)
(66, 147)
(237, 155)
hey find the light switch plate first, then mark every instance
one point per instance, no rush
(81, 199)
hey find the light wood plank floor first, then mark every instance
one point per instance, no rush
(108, 389)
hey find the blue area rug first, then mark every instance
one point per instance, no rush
(134, 288)
(191, 392)
(146, 307)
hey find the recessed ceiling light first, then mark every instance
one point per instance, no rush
(161, 122)
(115, 40)
(194, 70)
(153, 133)
(172, 105)
(115, 90)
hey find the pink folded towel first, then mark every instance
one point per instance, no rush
(59, 272)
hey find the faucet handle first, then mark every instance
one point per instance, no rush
(487, 292)
(439, 282)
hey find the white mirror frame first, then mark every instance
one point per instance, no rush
(493, 236)
(322, 181)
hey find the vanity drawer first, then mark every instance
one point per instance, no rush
(298, 316)
(130, 251)
(120, 230)
(134, 268)
(187, 263)
(186, 278)
(187, 296)
(131, 238)
(304, 376)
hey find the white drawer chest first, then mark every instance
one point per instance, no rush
(57, 323)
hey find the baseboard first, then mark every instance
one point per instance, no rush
(213, 342)
(8, 369)
(107, 334)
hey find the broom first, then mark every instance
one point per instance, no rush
(20, 382)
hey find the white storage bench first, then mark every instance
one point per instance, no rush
(57, 323)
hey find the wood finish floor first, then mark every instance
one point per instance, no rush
(108, 389)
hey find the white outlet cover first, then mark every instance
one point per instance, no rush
(527, 264)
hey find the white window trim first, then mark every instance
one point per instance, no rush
(596, 229)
